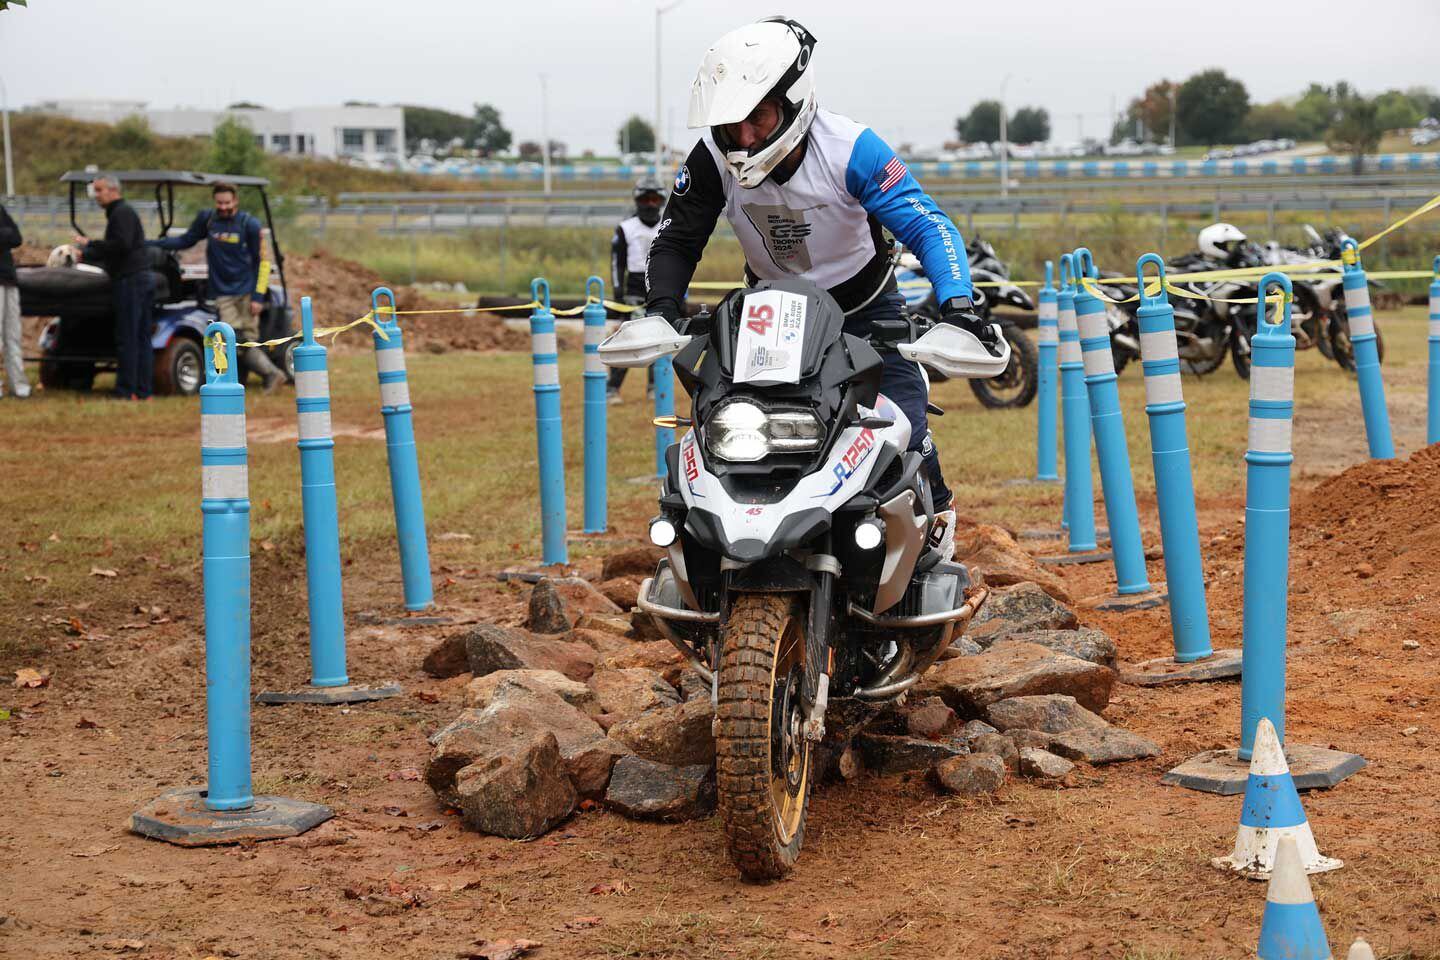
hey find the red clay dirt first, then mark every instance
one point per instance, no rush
(1112, 866)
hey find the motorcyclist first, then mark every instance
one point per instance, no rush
(807, 192)
(628, 251)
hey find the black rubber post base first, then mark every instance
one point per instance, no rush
(181, 817)
(1223, 772)
(1032, 482)
(1066, 559)
(1164, 671)
(1102, 535)
(416, 621)
(331, 696)
(1128, 602)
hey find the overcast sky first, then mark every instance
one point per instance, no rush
(906, 69)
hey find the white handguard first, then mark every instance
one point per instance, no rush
(956, 352)
(640, 342)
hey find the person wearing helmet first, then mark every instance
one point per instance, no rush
(1223, 243)
(628, 251)
(808, 192)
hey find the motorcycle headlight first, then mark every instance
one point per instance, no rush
(742, 432)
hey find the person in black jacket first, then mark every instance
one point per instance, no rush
(629, 251)
(10, 310)
(122, 254)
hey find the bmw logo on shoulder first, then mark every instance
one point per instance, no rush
(682, 181)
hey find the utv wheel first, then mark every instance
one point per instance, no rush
(762, 759)
(180, 368)
(1017, 385)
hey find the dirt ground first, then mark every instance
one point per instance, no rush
(1113, 866)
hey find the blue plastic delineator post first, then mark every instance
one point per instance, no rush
(400, 451)
(549, 438)
(321, 509)
(1432, 416)
(225, 507)
(1079, 514)
(1048, 330)
(1111, 448)
(1174, 484)
(664, 407)
(595, 408)
(1267, 518)
(1367, 354)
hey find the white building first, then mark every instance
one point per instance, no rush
(371, 134)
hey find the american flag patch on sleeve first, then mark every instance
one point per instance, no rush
(890, 174)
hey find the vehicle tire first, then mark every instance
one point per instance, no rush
(283, 357)
(1017, 385)
(762, 797)
(1340, 347)
(1240, 353)
(180, 368)
(57, 373)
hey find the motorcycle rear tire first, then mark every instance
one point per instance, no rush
(1021, 378)
(762, 798)
(1341, 351)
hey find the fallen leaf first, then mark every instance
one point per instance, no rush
(499, 949)
(102, 572)
(53, 538)
(266, 545)
(409, 773)
(76, 627)
(38, 579)
(581, 923)
(96, 850)
(120, 946)
(27, 677)
(395, 811)
(620, 887)
(87, 724)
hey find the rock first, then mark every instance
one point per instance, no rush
(692, 687)
(1042, 765)
(657, 655)
(678, 735)
(518, 795)
(1049, 713)
(622, 591)
(447, 659)
(1023, 608)
(999, 745)
(1013, 668)
(612, 623)
(632, 691)
(489, 648)
(1104, 745)
(480, 691)
(590, 766)
(929, 718)
(960, 647)
(1086, 643)
(1023, 738)
(643, 626)
(1364, 571)
(971, 776)
(995, 554)
(635, 562)
(557, 603)
(1409, 731)
(1410, 644)
(604, 643)
(888, 753)
(646, 790)
(851, 765)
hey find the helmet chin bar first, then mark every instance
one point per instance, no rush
(751, 167)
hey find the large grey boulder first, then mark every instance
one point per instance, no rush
(1013, 668)
(1086, 643)
(1049, 713)
(1022, 608)
(1106, 745)
(556, 603)
(489, 647)
(1040, 764)
(976, 775)
(480, 691)
(645, 790)
(679, 736)
(631, 691)
(447, 659)
(519, 794)
(886, 753)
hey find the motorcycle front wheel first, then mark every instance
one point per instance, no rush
(1017, 385)
(1341, 349)
(763, 762)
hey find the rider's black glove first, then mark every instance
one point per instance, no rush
(960, 312)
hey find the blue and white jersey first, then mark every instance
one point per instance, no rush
(822, 222)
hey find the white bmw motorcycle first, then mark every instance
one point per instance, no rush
(800, 568)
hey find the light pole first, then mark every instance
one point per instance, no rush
(1172, 116)
(1004, 142)
(545, 130)
(660, 10)
(5, 123)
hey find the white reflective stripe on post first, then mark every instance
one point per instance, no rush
(1435, 328)
(1357, 297)
(1070, 351)
(547, 374)
(222, 429)
(1048, 333)
(1049, 310)
(1159, 345)
(395, 393)
(542, 343)
(593, 363)
(1361, 323)
(390, 359)
(225, 481)
(1066, 319)
(312, 384)
(1092, 325)
(1098, 361)
(1270, 436)
(594, 333)
(1163, 388)
(1272, 383)
(315, 424)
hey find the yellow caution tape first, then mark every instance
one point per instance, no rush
(216, 343)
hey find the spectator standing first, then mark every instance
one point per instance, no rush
(233, 253)
(122, 253)
(10, 310)
(629, 251)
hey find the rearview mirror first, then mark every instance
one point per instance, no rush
(640, 342)
(947, 349)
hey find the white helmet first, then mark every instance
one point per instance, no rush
(1219, 240)
(770, 58)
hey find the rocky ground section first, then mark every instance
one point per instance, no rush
(586, 704)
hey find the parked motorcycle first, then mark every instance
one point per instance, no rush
(1016, 387)
(1324, 299)
(800, 533)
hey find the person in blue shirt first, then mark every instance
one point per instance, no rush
(233, 253)
(807, 192)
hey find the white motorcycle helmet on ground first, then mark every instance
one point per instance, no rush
(1220, 241)
(770, 58)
